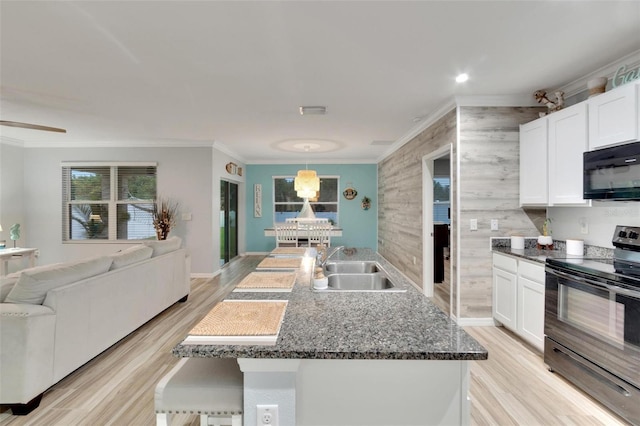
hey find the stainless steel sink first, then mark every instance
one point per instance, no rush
(358, 276)
(359, 282)
(351, 267)
(375, 282)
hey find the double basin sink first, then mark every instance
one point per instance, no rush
(358, 276)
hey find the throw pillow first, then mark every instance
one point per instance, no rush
(166, 246)
(32, 286)
(131, 255)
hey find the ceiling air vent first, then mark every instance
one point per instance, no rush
(313, 110)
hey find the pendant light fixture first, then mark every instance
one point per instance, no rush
(307, 182)
(307, 185)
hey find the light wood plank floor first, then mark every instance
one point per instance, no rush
(116, 388)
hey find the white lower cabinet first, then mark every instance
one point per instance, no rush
(518, 297)
(505, 301)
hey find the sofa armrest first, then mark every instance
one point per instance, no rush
(26, 351)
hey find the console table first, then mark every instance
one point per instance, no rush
(8, 253)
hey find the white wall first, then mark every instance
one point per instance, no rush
(601, 220)
(184, 174)
(220, 160)
(11, 191)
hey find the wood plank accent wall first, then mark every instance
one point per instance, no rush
(488, 151)
(400, 197)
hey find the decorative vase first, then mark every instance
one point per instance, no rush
(597, 86)
(545, 242)
(162, 233)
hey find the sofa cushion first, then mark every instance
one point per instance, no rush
(32, 286)
(131, 255)
(166, 246)
(6, 284)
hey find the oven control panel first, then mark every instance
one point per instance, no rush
(627, 236)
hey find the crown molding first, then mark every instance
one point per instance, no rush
(631, 60)
(429, 120)
(11, 141)
(219, 146)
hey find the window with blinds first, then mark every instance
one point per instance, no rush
(108, 201)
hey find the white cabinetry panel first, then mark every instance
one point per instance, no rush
(531, 303)
(567, 143)
(518, 297)
(505, 291)
(534, 183)
(613, 117)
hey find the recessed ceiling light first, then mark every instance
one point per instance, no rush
(313, 110)
(461, 78)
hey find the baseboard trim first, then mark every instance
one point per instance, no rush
(205, 275)
(257, 253)
(475, 322)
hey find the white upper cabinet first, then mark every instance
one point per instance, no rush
(534, 183)
(567, 142)
(614, 116)
(551, 151)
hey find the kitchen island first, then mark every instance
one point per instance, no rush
(355, 358)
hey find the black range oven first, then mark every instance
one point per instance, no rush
(592, 323)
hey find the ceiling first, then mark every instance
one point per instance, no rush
(234, 73)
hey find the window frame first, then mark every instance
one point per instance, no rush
(441, 203)
(112, 203)
(336, 203)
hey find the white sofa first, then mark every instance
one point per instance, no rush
(55, 318)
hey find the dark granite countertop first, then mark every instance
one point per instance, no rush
(531, 252)
(344, 325)
(534, 254)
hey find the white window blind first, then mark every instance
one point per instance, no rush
(102, 201)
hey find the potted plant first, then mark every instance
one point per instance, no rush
(164, 217)
(545, 240)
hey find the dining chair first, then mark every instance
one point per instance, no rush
(286, 234)
(319, 232)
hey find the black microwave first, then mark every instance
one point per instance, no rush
(612, 173)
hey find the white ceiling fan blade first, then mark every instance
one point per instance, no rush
(31, 126)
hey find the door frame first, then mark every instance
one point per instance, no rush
(427, 215)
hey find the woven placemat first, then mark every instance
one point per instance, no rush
(242, 318)
(268, 280)
(289, 250)
(280, 263)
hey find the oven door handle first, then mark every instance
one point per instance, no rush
(597, 284)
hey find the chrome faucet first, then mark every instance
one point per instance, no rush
(333, 251)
